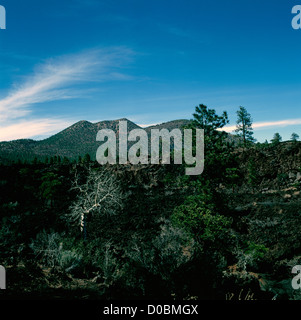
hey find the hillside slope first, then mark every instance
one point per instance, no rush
(76, 140)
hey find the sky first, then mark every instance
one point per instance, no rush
(148, 61)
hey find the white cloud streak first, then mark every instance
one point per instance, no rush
(57, 79)
(32, 128)
(53, 80)
(268, 124)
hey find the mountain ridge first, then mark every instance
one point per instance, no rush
(76, 140)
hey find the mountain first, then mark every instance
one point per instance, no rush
(76, 140)
(170, 125)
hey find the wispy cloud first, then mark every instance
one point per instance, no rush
(33, 128)
(53, 80)
(268, 124)
(58, 79)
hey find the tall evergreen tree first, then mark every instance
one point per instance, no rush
(294, 137)
(276, 138)
(244, 125)
(207, 119)
(216, 149)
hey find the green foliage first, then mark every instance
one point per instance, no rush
(282, 178)
(244, 126)
(49, 249)
(197, 217)
(253, 177)
(165, 253)
(294, 137)
(251, 255)
(50, 186)
(172, 237)
(232, 177)
(207, 119)
(262, 146)
(86, 158)
(217, 150)
(66, 161)
(256, 250)
(11, 245)
(70, 260)
(276, 139)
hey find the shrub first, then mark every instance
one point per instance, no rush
(70, 260)
(169, 250)
(109, 265)
(251, 255)
(282, 178)
(48, 248)
(196, 216)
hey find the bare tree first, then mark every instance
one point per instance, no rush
(170, 249)
(47, 247)
(100, 194)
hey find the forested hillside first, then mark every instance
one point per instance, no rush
(78, 230)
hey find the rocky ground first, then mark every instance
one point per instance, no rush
(269, 213)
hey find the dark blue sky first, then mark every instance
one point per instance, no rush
(149, 61)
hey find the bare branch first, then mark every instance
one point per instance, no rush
(100, 194)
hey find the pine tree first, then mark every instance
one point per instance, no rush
(216, 148)
(276, 139)
(294, 137)
(207, 119)
(244, 126)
